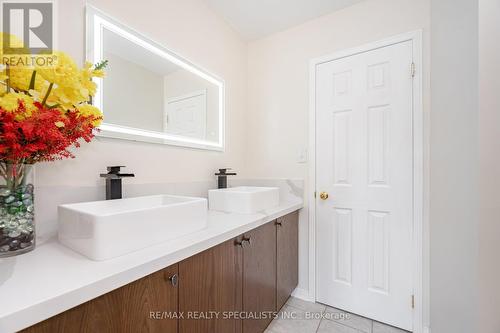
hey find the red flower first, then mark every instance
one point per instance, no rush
(45, 135)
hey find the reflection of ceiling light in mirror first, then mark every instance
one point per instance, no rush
(98, 23)
(118, 46)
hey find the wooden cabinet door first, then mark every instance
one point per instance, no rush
(102, 314)
(129, 309)
(209, 287)
(150, 304)
(259, 276)
(287, 249)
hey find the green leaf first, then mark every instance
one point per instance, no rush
(101, 65)
(32, 81)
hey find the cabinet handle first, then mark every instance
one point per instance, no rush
(247, 239)
(279, 222)
(174, 280)
(243, 241)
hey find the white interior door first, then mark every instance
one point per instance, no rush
(364, 161)
(187, 115)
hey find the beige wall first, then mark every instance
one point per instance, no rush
(278, 84)
(454, 167)
(125, 82)
(489, 157)
(190, 29)
(278, 75)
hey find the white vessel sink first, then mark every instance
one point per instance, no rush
(103, 230)
(243, 199)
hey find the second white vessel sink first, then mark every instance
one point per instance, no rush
(243, 199)
(103, 230)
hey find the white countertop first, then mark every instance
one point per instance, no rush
(52, 279)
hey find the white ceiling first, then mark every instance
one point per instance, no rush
(254, 19)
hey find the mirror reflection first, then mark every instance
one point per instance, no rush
(151, 94)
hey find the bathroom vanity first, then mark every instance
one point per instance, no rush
(254, 272)
(236, 264)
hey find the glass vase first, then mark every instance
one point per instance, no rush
(17, 209)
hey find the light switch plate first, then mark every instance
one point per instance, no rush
(302, 156)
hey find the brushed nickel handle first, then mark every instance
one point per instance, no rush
(247, 239)
(279, 222)
(174, 280)
(243, 241)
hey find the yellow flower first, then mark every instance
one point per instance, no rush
(69, 96)
(20, 79)
(88, 110)
(89, 72)
(90, 87)
(13, 41)
(71, 85)
(64, 86)
(10, 102)
(64, 73)
(98, 73)
(17, 74)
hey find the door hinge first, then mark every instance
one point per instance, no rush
(413, 69)
(413, 301)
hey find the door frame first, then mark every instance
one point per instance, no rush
(418, 167)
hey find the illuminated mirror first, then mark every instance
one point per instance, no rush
(150, 93)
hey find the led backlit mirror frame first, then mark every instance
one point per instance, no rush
(96, 22)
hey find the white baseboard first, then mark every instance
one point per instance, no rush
(303, 294)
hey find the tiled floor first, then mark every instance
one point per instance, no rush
(298, 316)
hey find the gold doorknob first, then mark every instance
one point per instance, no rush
(323, 195)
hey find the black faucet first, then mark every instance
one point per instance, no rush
(222, 177)
(114, 182)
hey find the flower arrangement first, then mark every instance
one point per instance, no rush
(44, 112)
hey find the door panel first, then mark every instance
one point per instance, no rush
(365, 162)
(187, 115)
(209, 283)
(287, 254)
(127, 309)
(153, 293)
(259, 278)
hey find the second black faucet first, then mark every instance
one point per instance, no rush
(222, 177)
